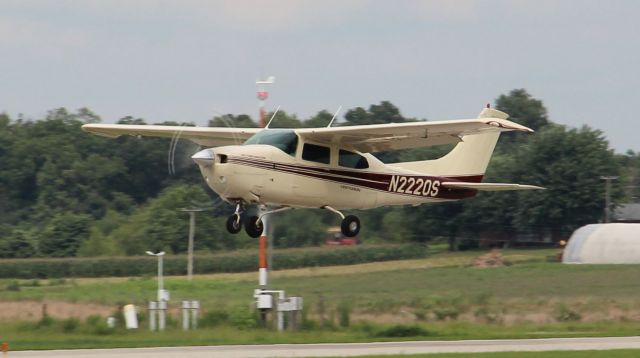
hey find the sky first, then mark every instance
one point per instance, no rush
(189, 60)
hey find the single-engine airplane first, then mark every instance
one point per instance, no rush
(332, 168)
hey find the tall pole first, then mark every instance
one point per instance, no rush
(159, 255)
(265, 245)
(263, 94)
(160, 279)
(607, 197)
(263, 241)
(192, 231)
(263, 266)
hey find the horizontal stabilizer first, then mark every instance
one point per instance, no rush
(489, 186)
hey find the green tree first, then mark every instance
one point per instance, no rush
(233, 121)
(569, 163)
(299, 228)
(630, 176)
(64, 234)
(385, 112)
(320, 119)
(523, 108)
(17, 243)
(160, 225)
(283, 120)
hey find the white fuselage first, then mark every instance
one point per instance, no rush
(264, 174)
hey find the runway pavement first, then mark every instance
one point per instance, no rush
(348, 349)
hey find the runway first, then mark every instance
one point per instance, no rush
(349, 349)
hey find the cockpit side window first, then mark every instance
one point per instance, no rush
(352, 160)
(285, 140)
(316, 153)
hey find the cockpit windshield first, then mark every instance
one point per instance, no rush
(284, 139)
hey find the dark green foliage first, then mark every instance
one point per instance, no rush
(13, 286)
(243, 317)
(70, 325)
(177, 265)
(290, 233)
(64, 234)
(523, 108)
(64, 192)
(403, 331)
(232, 121)
(385, 112)
(18, 243)
(344, 314)
(214, 318)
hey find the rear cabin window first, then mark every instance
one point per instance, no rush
(316, 153)
(352, 160)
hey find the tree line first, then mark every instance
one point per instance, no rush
(65, 193)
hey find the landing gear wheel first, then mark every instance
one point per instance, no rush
(350, 226)
(234, 224)
(253, 227)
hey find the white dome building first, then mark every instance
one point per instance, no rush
(604, 244)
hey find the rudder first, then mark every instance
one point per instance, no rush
(469, 158)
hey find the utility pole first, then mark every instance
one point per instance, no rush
(607, 197)
(192, 230)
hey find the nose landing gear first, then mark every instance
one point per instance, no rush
(234, 222)
(253, 225)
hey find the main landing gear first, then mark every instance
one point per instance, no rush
(350, 225)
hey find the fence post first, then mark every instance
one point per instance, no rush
(153, 311)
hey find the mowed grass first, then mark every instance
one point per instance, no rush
(394, 283)
(378, 296)
(337, 280)
(23, 336)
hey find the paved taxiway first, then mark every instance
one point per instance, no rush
(348, 349)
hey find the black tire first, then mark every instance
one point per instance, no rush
(350, 226)
(233, 224)
(253, 227)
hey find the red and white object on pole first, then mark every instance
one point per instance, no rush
(263, 94)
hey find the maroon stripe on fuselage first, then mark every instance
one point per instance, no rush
(369, 180)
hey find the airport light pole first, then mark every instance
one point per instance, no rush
(607, 197)
(161, 295)
(263, 94)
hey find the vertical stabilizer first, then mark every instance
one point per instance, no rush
(470, 157)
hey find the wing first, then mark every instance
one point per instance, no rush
(489, 186)
(392, 136)
(206, 136)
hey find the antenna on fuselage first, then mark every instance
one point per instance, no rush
(272, 117)
(334, 116)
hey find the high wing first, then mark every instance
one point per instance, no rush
(206, 136)
(392, 136)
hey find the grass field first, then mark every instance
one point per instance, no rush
(440, 297)
(621, 353)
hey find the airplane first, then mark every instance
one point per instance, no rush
(332, 167)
